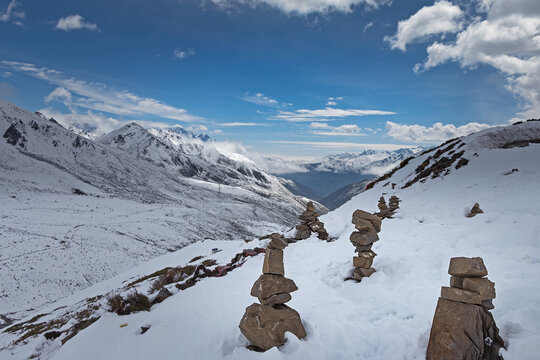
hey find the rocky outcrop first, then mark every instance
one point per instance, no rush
(310, 223)
(475, 211)
(463, 327)
(367, 226)
(265, 324)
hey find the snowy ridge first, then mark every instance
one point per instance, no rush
(386, 316)
(80, 211)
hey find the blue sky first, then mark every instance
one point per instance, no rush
(298, 77)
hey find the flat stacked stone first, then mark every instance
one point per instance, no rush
(463, 327)
(310, 223)
(367, 226)
(393, 203)
(265, 324)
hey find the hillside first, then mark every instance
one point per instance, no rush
(386, 316)
(76, 211)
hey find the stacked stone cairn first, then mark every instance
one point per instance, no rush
(393, 203)
(265, 324)
(310, 223)
(388, 211)
(463, 327)
(367, 226)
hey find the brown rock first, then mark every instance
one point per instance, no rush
(322, 234)
(276, 299)
(268, 285)
(302, 233)
(488, 304)
(467, 267)
(273, 262)
(278, 242)
(456, 281)
(364, 259)
(359, 273)
(475, 211)
(482, 286)
(316, 226)
(360, 248)
(265, 326)
(460, 295)
(363, 224)
(374, 219)
(363, 238)
(463, 331)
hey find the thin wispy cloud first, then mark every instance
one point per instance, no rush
(234, 124)
(259, 99)
(435, 133)
(321, 128)
(303, 7)
(98, 97)
(13, 14)
(75, 22)
(182, 54)
(344, 145)
(326, 114)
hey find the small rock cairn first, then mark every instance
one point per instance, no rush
(388, 211)
(367, 226)
(265, 324)
(310, 223)
(463, 327)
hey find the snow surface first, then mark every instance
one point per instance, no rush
(386, 316)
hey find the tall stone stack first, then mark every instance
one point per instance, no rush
(265, 324)
(310, 223)
(367, 226)
(463, 327)
(393, 203)
(384, 212)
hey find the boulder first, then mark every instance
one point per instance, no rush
(322, 234)
(475, 210)
(460, 295)
(273, 262)
(364, 259)
(360, 248)
(360, 273)
(482, 286)
(463, 331)
(456, 281)
(277, 242)
(363, 224)
(265, 326)
(374, 219)
(467, 267)
(276, 299)
(363, 238)
(268, 285)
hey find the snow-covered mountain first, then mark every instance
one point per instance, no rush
(340, 176)
(386, 316)
(77, 211)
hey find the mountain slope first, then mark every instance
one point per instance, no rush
(386, 316)
(76, 211)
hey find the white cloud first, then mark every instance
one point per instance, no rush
(231, 124)
(368, 25)
(345, 145)
(6, 74)
(326, 114)
(75, 22)
(504, 34)
(217, 131)
(343, 130)
(302, 7)
(333, 101)
(99, 97)
(260, 99)
(12, 14)
(442, 17)
(436, 133)
(182, 54)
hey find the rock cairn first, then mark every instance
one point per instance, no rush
(475, 210)
(388, 211)
(310, 223)
(265, 324)
(463, 327)
(367, 226)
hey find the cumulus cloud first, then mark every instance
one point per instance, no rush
(436, 133)
(442, 17)
(75, 22)
(343, 130)
(13, 14)
(259, 99)
(182, 54)
(326, 114)
(99, 97)
(504, 34)
(333, 101)
(302, 7)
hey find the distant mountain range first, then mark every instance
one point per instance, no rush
(335, 179)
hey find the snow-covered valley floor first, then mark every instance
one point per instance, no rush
(386, 316)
